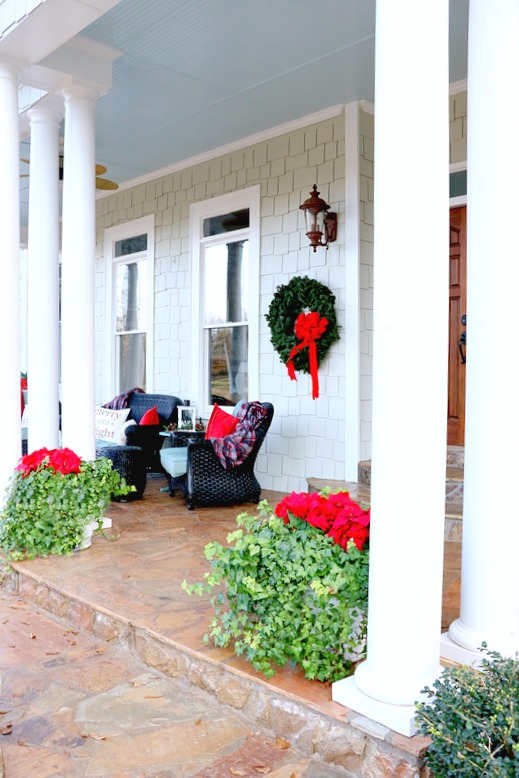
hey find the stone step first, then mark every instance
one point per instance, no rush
(319, 732)
(455, 463)
(453, 481)
(454, 485)
(453, 489)
(456, 456)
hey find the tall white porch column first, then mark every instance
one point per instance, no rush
(490, 555)
(10, 448)
(77, 273)
(43, 279)
(409, 364)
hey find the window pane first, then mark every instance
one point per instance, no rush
(226, 282)
(228, 365)
(130, 297)
(458, 183)
(237, 220)
(131, 245)
(131, 358)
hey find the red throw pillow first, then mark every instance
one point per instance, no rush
(220, 424)
(151, 416)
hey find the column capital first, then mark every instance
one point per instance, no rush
(43, 115)
(80, 92)
(8, 70)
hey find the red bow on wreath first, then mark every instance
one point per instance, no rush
(308, 328)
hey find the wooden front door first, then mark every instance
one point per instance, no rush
(457, 310)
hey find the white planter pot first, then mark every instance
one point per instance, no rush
(87, 537)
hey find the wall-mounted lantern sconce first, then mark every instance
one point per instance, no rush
(319, 222)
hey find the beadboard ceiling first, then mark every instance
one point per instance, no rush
(195, 75)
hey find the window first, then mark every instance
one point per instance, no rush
(129, 255)
(225, 263)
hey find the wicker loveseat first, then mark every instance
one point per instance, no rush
(208, 483)
(140, 453)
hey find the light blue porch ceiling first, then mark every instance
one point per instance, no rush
(198, 74)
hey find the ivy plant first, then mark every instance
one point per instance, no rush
(285, 592)
(472, 718)
(50, 499)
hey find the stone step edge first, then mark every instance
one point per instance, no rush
(312, 730)
(453, 510)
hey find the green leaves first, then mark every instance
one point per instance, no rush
(287, 594)
(473, 720)
(46, 511)
(288, 302)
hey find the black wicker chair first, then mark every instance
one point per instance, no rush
(208, 483)
(129, 461)
(147, 436)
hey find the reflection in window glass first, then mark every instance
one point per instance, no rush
(237, 220)
(131, 360)
(130, 297)
(458, 183)
(226, 282)
(131, 245)
(228, 364)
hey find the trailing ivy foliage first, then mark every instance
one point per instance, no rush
(286, 593)
(473, 720)
(288, 302)
(46, 512)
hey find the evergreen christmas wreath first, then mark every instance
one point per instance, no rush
(302, 295)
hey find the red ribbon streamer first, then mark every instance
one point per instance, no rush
(308, 328)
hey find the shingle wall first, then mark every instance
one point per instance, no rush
(307, 436)
(366, 127)
(458, 127)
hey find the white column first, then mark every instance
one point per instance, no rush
(490, 555)
(43, 279)
(352, 206)
(10, 448)
(409, 365)
(77, 270)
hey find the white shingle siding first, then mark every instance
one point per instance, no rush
(306, 437)
(458, 127)
(366, 165)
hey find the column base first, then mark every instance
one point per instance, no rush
(453, 652)
(399, 718)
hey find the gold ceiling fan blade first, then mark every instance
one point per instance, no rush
(104, 183)
(101, 183)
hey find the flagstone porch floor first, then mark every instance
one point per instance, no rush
(125, 591)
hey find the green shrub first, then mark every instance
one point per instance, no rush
(473, 720)
(288, 593)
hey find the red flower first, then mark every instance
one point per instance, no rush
(32, 461)
(342, 534)
(64, 460)
(296, 504)
(340, 517)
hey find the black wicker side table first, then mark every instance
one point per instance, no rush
(129, 461)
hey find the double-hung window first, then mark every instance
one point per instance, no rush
(129, 252)
(225, 264)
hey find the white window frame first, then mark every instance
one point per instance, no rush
(146, 224)
(216, 206)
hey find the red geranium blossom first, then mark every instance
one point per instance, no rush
(32, 461)
(61, 460)
(64, 460)
(340, 517)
